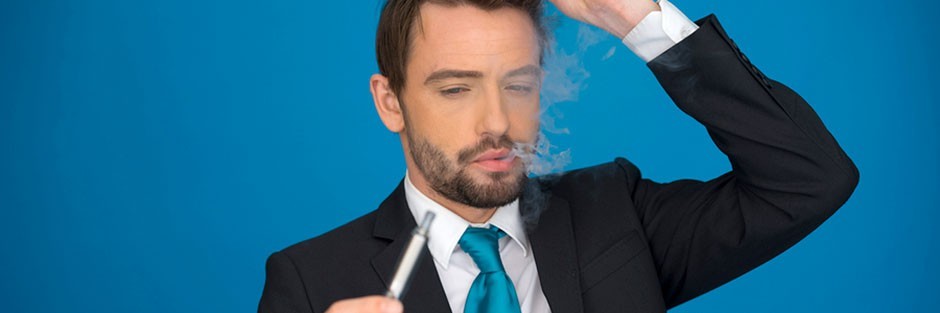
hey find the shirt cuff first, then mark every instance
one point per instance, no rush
(659, 31)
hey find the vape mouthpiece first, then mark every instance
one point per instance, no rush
(426, 224)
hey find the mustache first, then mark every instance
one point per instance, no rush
(467, 155)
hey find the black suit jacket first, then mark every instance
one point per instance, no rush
(604, 238)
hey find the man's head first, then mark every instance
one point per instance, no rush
(460, 84)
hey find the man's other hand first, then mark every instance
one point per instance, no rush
(617, 17)
(370, 304)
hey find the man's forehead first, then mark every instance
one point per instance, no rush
(452, 36)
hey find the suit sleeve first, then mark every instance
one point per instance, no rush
(788, 173)
(284, 291)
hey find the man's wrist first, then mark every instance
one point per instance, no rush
(620, 20)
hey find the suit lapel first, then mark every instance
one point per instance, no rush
(394, 222)
(553, 247)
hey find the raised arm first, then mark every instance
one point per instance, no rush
(788, 173)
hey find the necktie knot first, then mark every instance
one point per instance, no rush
(482, 244)
(492, 291)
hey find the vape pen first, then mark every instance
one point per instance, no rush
(409, 258)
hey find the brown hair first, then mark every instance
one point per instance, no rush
(394, 34)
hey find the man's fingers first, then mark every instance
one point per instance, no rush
(392, 306)
(370, 304)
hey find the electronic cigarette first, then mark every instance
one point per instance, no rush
(409, 258)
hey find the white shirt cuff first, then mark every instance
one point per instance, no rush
(659, 31)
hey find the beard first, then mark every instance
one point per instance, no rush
(453, 179)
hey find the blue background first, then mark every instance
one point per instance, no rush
(153, 154)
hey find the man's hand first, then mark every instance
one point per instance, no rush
(617, 17)
(370, 304)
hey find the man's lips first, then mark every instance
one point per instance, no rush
(496, 160)
(493, 155)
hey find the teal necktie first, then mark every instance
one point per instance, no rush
(491, 291)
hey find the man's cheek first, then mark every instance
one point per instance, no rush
(524, 131)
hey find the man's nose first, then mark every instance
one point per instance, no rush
(494, 118)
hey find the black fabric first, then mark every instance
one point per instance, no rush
(604, 238)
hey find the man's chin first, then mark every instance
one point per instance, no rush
(507, 185)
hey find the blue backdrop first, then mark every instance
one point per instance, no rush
(154, 153)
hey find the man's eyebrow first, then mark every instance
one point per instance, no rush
(446, 73)
(525, 70)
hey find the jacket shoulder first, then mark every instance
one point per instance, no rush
(347, 241)
(337, 264)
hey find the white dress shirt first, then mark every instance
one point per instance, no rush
(455, 267)
(655, 34)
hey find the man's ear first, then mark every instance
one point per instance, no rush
(386, 103)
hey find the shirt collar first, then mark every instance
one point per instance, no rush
(448, 227)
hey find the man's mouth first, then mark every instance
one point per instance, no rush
(496, 160)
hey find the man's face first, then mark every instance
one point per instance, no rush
(472, 90)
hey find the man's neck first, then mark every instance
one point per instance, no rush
(468, 213)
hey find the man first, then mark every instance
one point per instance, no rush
(460, 84)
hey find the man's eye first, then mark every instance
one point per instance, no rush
(520, 88)
(453, 91)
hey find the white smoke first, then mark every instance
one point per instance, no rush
(565, 77)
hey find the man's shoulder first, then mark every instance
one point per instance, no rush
(593, 195)
(350, 240)
(335, 265)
